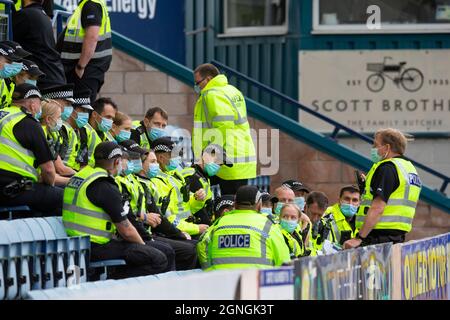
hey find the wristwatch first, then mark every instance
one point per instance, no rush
(80, 67)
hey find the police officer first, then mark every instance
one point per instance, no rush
(63, 96)
(344, 213)
(10, 66)
(121, 128)
(243, 238)
(197, 178)
(87, 138)
(171, 183)
(391, 193)
(30, 73)
(151, 128)
(89, 27)
(222, 205)
(321, 228)
(162, 230)
(292, 229)
(24, 149)
(101, 119)
(93, 206)
(220, 114)
(300, 191)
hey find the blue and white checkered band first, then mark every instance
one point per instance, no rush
(3, 52)
(115, 152)
(32, 93)
(162, 147)
(82, 101)
(285, 185)
(59, 95)
(224, 203)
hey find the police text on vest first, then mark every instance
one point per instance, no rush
(234, 241)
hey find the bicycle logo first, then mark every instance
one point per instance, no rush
(411, 79)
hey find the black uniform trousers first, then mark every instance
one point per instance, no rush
(185, 252)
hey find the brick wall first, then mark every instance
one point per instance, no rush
(137, 87)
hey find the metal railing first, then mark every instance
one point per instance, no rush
(58, 20)
(337, 126)
(8, 4)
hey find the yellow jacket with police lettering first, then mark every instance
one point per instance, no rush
(242, 239)
(342, 225)
(220, 117)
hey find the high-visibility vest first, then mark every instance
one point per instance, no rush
(93, 140)
(295, 248)
(17, 6)
(341, 222)
(178, 210)
(105, 136)
(75, 33)
(13, 156)
(144, 139)
(6, 92)
(328, 223)
(70, 157)
(220, 116)
(136, 191)
(80, 216)
(398, 214)
(244, 239)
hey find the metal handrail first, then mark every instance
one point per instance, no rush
(57, 20)
(337, 126)
(8, 5)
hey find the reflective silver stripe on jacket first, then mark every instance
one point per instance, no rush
(240, 119)
(394, 219)
(90, 178)
(19, 164)
(78, 39)
(97, 55)
(90, 231)
(248, 260)
(70, 148)
(335, 229)
(243, 159)
(91, 147)
(16, 146)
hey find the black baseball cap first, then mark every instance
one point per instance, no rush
(132, 146)
(219, 153)
(26, 91)
(225, 201)
(63, 92)
(295, 185)
(248, 195)
(32, 68)
(108, 150)
(19, 52)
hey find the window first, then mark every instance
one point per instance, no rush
(350, 16)
(255, 17)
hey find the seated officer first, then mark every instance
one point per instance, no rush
(243, 238)
(300, 191)
(197, 178)
(151, 128)
(170, 182)
(62, 95)
(121, 128)
(30, 73)
(93, 206)
(101, 119)
(344, 213)
(10, 66)
(24, 149)
(292, 229)
(161, 229)
(222, 205)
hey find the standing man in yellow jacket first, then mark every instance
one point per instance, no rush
(220, 117)
(391, 192)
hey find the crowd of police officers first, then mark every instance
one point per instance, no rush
(125, 184)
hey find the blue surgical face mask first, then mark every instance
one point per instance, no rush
(266, 211)
(212, 168)
(300, 202)
(57, 126)
(374, 156)
(123, 136)
(156, 133)
(173, 164)
(130, 168)
(38, 115)
(278, 207)
(33, 82)
(197, 89)
(153, 170)
(137, 165)
(11, 69)
(67, 112)
(288, 225)
(348, 210)
(82, 119)
(105, 125)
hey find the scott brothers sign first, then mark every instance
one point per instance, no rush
(369, 90)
